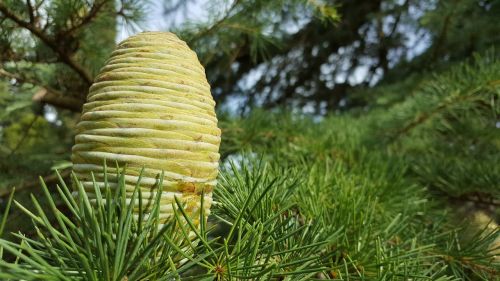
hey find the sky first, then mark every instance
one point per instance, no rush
(156, 20)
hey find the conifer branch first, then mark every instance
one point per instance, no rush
(50, 42)
(87, 19)
(423, 117)
(214, 26)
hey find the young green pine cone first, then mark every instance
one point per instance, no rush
(151, 107)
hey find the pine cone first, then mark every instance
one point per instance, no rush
(151, 107)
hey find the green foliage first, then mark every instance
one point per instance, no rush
(312, 199)
(49, 53)
(389, 154)
(108, 243)
(252, 24)
(315, 220)
(448, 128)
(445, 130)
(399, 183)
(456, 37)
(86, 243)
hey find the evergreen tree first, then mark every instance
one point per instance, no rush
(394, 177)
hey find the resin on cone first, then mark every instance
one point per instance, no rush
(151, 107)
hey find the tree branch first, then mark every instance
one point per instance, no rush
(214, 26)
(424, 116)
(55, 99)
(52, 44)
(94, 10)
(30, 12)
(47, 94)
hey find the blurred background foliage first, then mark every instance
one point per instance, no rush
(402, 88)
